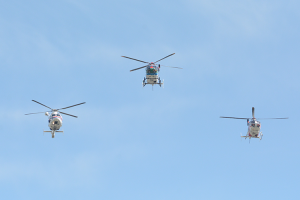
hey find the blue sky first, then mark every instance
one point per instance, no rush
(131, 142)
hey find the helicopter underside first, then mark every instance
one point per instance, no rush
(253, 131)
(152, 80)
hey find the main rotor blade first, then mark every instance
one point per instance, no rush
(172, 67)
(134, 59)
(165, 57)
(71, 106)
(138, 68)
(272, 118)
(253, 112)
(68, 114)
(41, 104)
(233, 117)
(37, 113)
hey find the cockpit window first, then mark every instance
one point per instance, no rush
(151, 70)
(58, 114)
(53, 115)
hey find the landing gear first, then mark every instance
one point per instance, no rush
(260, 135)
(161, 83)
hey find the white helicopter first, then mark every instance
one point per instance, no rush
(253, 126)
(151, 71)
(55, 119)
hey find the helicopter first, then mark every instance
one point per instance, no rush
(253, 126)
(55, 118)
(152, 70)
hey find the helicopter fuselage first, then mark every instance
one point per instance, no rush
(152, 74)
(54, 118)
(55, 121)
(151, 71)
(253, 128)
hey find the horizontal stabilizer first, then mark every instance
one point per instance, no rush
(54, 131)
(249, 137)
(154, 83)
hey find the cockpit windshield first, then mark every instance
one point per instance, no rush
(151, 70)
(255, 123)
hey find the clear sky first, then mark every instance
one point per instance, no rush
(132, 143)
